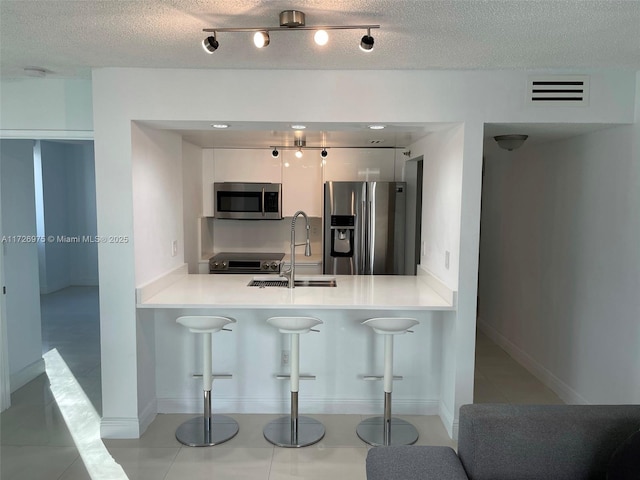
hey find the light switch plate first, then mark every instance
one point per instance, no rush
(174, 248)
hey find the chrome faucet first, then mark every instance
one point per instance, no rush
(290, 273)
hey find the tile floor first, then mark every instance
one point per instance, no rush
(37, 445)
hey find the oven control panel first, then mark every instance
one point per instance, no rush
(272, 266)
(246, 263)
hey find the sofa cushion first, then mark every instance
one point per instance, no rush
(409, 462)
(625, 461)
(539, 442)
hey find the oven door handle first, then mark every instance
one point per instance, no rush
(262, 202)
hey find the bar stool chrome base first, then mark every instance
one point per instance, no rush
(197, 432)
(400, 432)
(282, 432)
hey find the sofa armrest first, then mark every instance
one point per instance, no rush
(414, 463)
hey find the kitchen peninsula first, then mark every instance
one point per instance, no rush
(340, 355)
(365, 292)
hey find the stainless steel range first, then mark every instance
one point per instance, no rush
(238, 262)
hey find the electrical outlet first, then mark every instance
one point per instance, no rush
(174, 248)
(424, 249)
(284, 357)
(447, 255)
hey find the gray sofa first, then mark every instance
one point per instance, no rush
(516, 442)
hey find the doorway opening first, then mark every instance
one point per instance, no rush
(52, 282)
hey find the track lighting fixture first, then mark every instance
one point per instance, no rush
(366, 43)
(299, 145)
(290, 20)
(210, 44)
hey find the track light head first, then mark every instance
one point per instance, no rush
(261, 39)
(210, 44)
(321, 37)
(366, 43)
(275, 153)
(324, 153)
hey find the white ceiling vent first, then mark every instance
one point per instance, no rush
(565, 90)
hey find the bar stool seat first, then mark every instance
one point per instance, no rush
(293, 430)
(388, 430)
(206, 430)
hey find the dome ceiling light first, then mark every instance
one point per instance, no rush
(290, 20)
(510, 142)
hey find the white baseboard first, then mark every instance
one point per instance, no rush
(564, 391)
(147, 415)
(311, 406)
(24, 376)
(125, 427)
(120, 427)
(449, 421)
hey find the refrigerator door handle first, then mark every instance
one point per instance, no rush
(363, 239)
(372, 237)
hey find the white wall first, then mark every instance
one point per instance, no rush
(20, 262)
(121, 96)
(5, 386)
(450, 220)
(68, 202)
(46, 108)
(157, 201)
(560, 263)
(192, 203)
(441, 196)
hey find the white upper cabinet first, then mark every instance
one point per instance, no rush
(361, 164)
(236, 165)
(302, 183)
(250, 165)
(302, 178)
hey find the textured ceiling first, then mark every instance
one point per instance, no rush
(68, 38)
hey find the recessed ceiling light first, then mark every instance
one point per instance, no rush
(298, 127)
(219, 125)
(376, 127)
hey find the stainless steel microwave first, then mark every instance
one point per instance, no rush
(247, 201)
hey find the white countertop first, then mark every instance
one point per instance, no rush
(379, 292)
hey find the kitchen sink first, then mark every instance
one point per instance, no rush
(302, 281)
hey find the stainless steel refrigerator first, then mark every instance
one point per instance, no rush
(364, 225)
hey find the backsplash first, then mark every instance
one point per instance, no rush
(263, 235)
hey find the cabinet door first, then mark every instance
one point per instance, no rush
(255, 165)
(359, 165)
(302, 183)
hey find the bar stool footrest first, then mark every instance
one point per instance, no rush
(196, 433)
(371, 431)
(301, 377)
(381, 377)
(279, 432)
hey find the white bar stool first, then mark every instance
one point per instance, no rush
(293, 430)
(388, 430)
(206, 430)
